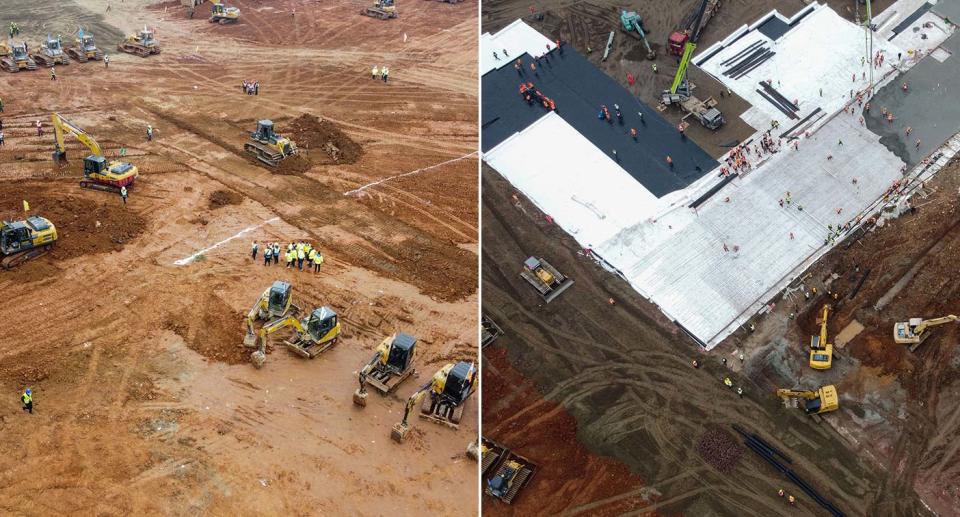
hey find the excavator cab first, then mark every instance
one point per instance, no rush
(146, 38)
(87, 43)
(91, 164)
(499, 485)
(401, 352)
(320, 322)
(53, 46)
(459, 383)
(280, 293)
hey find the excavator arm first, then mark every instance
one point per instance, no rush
(266, 330)
(414, 400)
(251, 337)
(378, 357)
(809, 395)
(61, 125)
(934, 322)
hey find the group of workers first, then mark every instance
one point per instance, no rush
(250, 87)
(295, 255)
(380, 73)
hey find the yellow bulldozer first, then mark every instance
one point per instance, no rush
(444, 398)
(544, 278)
(16, 57)
(823, 400)
(144, 43)
(313, 335)
(915, 331)
(391, 364)
(84, 48)
(267, 146)
(51, 53)
(24, 240)
(222, 14)
(383, 9)
(821, 352)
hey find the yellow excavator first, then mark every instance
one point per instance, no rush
(267, 146)
(275, 302)
(821, 352)
(916, 330)
(391, 364)
(824, 400)
(444, 398)
(315, 334)
(143, 43)
(383, 9)
(98, 173)
(21, 241)
(221, 14)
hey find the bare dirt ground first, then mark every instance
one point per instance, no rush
(899, 402)
(145, 403)
(624, 374)
(587, 25)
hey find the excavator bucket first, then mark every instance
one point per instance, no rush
(250, 340)
(359, 398)
(399, 432)
(60, 157)
(258, 358)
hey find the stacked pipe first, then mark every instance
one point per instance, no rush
(746, 60)
(770, 453)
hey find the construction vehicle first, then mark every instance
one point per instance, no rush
(391, 364)
(824, 400)
(489, 331)
(632, 24)
(444, 398)
(144, 43)
(916, 330)
(545, 278)
(51, 53)
(383, 9)
(17, 58)
(275, 302)
(681, 90)
(491, 453)
(98, 173)
(24, 240)
(821, 352)
(514, 473)
(313, 335)
(84, 48)
(221, 14)
(695, 22)
(267, 146)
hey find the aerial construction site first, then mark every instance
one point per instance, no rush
(147, 148)
(719, 269)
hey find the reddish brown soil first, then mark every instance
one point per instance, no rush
(324, 138)
(222, 198)
(552, 444)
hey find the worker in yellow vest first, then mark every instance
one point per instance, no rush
(317, 261)
(27, 399)
(291, 254)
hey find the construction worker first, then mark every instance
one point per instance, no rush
(654, 68)
(670, 162)
(385, 73)
(290, 256)
(53, 73)
(276, 252)
(123, 195)
(27, 399)
(2, 143)
(317, 261)
(780, 492)
(106, 61)
(696, 364)
(149, 132)
(311, 253)
(740, 391)
(633, 134)
(375, 73)
(39, 128)
(792, 500)
(728, 382)
(1, 105)
(300, 256)
(253, 250)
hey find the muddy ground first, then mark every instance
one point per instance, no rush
(624, 374)
(587, 25)
(145, 403)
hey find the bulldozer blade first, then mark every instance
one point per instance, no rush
(359, 398)
(399, 432)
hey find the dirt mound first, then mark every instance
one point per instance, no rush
(221, 198)
(313, 134)
(720, 449)
(209, 328)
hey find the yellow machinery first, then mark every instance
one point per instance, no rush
(448, 392)
(824, 400)
(275, 302)
(21, 241)
(916, 330)
(84, 48)
(681, 91)
(391, 364)
(222, 14)
(821, 352)
(51, 53)
(144, 43)
(17, 58)
(267, 146)
(383, 9)
(98, 174)
(315, 334)
(545, 278)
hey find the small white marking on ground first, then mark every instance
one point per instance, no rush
(368, 185)
(187, 260)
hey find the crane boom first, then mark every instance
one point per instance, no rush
(61, 124)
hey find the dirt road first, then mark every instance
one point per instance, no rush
(633, 393)
(144, 400)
